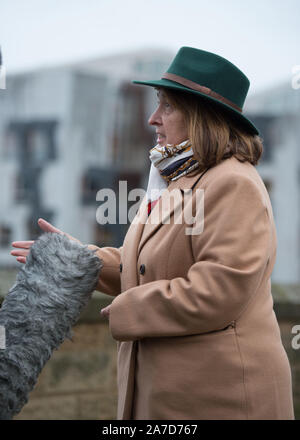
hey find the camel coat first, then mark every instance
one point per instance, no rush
(193, 312)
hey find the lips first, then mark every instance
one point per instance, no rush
(160, 137)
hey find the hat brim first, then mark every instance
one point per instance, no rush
(245, 122)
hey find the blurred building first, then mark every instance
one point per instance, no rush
(276, 112)
(67, 132)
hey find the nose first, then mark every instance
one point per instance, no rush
(155, 118)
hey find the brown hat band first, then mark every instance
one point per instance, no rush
(194, 86)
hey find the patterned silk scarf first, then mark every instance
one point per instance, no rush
(168, 163)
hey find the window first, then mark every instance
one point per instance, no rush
(23, 186)
(33, 229)
(95, 179)
(130, 130)
(92, 181)
(5, 235)
(31, 142)
(267, 127)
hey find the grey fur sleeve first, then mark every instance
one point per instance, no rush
(38, 312)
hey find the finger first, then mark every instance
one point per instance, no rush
(47, 227)
(21, 259)
(23, 244)
(19, 253)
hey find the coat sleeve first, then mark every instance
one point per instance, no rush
(109, 280)
(231, 256)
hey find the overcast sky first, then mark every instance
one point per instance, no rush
(262, 37)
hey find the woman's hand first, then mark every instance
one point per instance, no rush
(24, 246)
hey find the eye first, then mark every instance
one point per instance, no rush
(164, 104)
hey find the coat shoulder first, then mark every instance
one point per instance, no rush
(232, 172)
(230, 167)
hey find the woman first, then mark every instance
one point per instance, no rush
(193, 311)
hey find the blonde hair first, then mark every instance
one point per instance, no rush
(214, 134)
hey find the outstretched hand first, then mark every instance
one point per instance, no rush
(23, 247)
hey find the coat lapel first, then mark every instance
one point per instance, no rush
(130, 246)
(166, 207)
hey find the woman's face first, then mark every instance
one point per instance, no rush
(169, 122)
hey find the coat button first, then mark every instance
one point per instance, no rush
(121, 267)
(142, 269)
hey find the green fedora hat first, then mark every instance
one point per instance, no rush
(210, 76)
